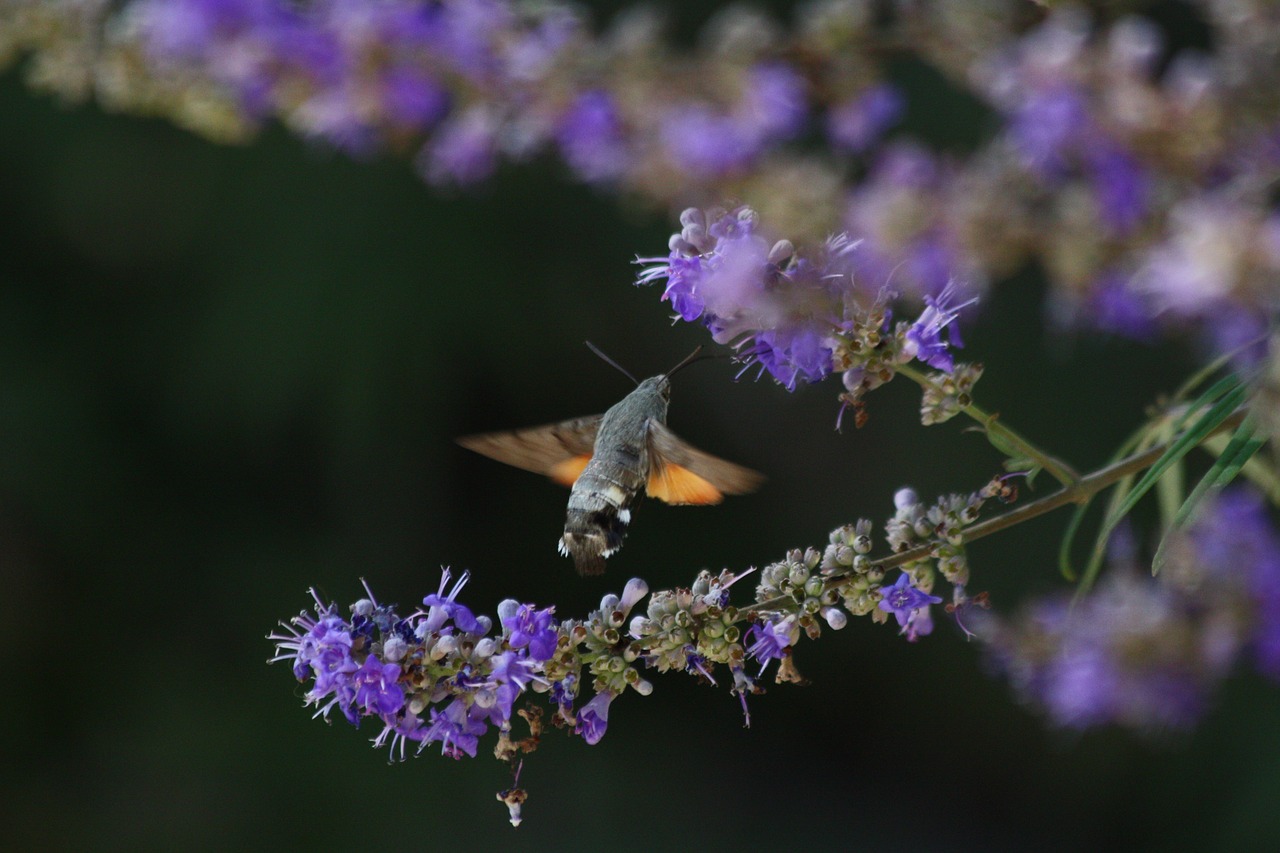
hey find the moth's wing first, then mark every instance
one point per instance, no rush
(680, 473)
(560, 450)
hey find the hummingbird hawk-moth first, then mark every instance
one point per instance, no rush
(608, 459)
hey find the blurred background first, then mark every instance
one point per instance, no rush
(228, 374)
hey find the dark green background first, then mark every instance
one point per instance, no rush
(227, 374)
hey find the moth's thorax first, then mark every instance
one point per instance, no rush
(599, 504)
(624, 424)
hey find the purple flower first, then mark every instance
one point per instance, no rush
(397, 732)
(1080, 687)
(1235, 545)
(463, 150)
(562, 693)
(734, 285)
(412, 99)
(924, 338)
(510, 675)
(919, 623)
(593, 717)
(376, 690)
(705, 143)
(535, 629)
(455, 729)
(444, 607)
(590, 136)
(682, 274)
(1047, 127)
(856, 124)
(742, 685)
(905, 602)
(1114, 307)
(326, 650)
(907, 241)
(771, 640)
(774, 102)
(1120, 656)
(1120, 185)
(778, 307)
(790, 355)
(187, 28)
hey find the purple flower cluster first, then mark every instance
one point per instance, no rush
(1136, 172)
(793, 312)
(1105, 133)
(1120, 158)
(443, 675)
(1147, 653)
(433, 677)
(468, 83)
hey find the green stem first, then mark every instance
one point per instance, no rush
(992, 425)
(1077, 492)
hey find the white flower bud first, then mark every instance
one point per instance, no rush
(507, 609)
(835, 617)
(393, 648)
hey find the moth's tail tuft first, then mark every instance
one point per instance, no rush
(587, 549)
(590, 538)
(589, 565)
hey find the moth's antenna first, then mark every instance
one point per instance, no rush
(688, 360)
(595, 349)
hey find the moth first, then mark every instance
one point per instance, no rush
(608, 460)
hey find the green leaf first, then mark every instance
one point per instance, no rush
(1001, 442)
(1239, 450)
(1258, 470)
(1099, 551)
(1170, 490)
(1214, 395)
(1139, 440)
(1229, 393)
(1196, 433)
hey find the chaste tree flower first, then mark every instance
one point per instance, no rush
(1147, 653)
(799, 314)
(1133, 168)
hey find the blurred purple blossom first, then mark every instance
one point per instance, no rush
(1113, 150)
(858, 123)
(1143, 652)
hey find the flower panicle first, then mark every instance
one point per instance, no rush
(1133, 169)
(445, 675)
(799, 313)
(1146, 653)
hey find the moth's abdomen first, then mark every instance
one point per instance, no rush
(599, 510)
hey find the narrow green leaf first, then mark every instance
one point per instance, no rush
(1137, 441)
(1216, 392)
(1257, 471)
(1239, 450)
(1124, 499)
(1170, 491)
(1002, 443)
(1099, 551)
(1181, 446)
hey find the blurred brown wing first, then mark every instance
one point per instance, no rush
(680, 473)
(560, 450)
